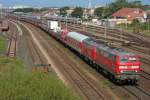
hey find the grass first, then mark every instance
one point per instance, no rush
(16, 83)
(2, 45)
(146, 32)
(130, 28)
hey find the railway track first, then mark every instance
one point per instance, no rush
(146, 75)
(12, 46)
(137, 92)
(145, 36)
(107, 38)
(39, 63)
(88, 88)
(13, 37)
(121, 35)
(128, 36)
(38, 60)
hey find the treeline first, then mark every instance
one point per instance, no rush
(107, 11)
(28, 10)
(78, 12)
(100, 12)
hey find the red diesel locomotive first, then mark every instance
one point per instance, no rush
(118, 64)
(115, 62)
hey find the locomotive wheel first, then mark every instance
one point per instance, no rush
(133, 82)
(99, 69)
(119, 82)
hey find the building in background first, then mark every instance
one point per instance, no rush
(127, 15)
(53, 11)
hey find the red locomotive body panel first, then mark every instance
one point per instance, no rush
(73, 43)
(105, 62)
(89, 51)
(94, 53)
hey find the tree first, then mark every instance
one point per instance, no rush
(105, 12)
(63, 11)
(99, 12)
(137, 4)
(115, 6)
(78, 12)
(25, 10)
(137, 27)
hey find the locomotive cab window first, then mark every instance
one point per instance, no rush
(128, 59)
(122, 59)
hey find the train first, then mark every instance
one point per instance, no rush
(65, 19)
(116, 63)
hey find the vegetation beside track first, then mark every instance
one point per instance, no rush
(136, 28)
(2, 45)
(20, 84)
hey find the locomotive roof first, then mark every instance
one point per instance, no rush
(115, 50)
(101, 45)
(77, 36)
(91, 41)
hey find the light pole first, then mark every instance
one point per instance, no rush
(126, 24)
(0, 11)
(148, 26)
(66, 21)
(105, 34)
(121, 29)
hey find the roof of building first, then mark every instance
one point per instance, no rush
(125, 11)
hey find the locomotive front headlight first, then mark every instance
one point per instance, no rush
(135, 67)
(122, 67)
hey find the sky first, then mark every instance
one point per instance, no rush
(57, 3)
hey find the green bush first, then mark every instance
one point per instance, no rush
(136, 27)
(16, 83)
